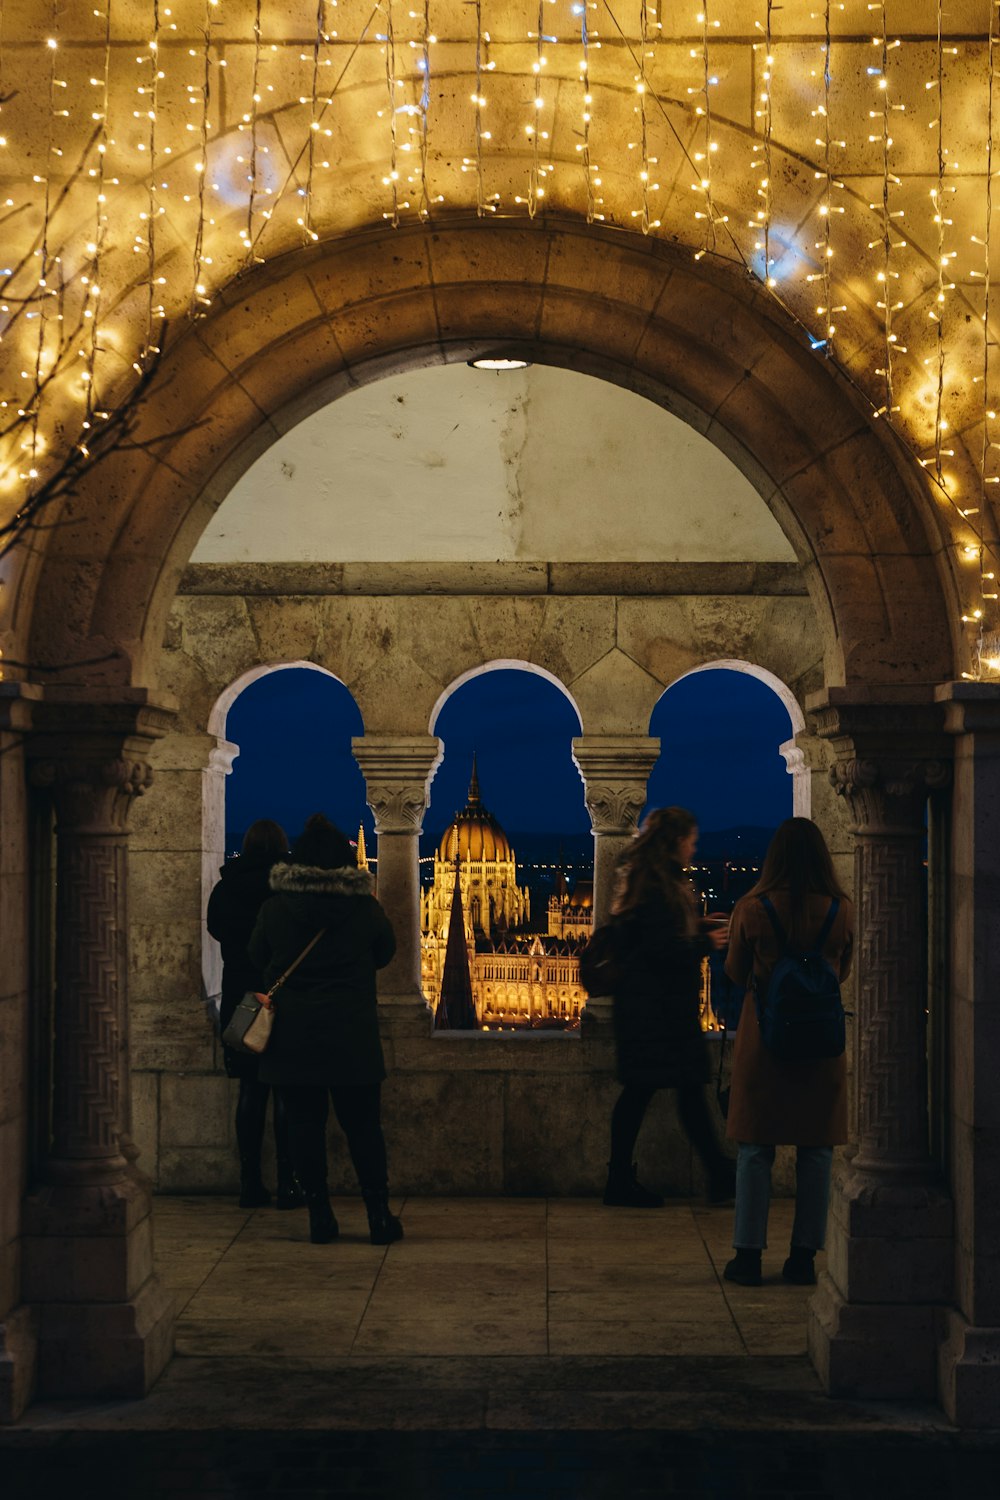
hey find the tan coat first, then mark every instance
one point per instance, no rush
(780, 1103)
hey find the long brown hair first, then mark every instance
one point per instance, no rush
(798, 861)
(650, 864)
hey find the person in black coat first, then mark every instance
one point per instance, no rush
(232, 912)
(325, 1042)
(660, 943)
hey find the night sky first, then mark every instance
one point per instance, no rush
(720, 733)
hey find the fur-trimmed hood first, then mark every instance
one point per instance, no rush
(314, 880)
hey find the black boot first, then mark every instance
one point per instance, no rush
(624, 1190)
(323, 1226)
(289, 1193)
(799, 1268)
(384, 1227)
(253, 1193)
(744, 1268)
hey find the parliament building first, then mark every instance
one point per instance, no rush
(519, 977)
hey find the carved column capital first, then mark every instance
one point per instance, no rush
(615, 771)
(887, 794)
(398, 771)
(92, 795)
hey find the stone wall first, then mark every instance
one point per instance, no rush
(463, 1114)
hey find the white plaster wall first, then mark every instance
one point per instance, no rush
(454, 464)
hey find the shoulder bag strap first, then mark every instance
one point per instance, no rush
(293, 966)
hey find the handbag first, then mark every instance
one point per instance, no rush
(250, 1025)
(600, 961)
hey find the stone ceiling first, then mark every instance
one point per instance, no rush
(157, 151)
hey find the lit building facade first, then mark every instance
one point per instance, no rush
(519, 978)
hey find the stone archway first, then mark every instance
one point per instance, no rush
(852, 503)
(323, 321)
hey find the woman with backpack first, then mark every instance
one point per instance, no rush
(660, 941)
(791, 940)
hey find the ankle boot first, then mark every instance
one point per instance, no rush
(323, 1227)
(799, 1268)
(384, 1227)
(253, 1193)
(744, 1268)
(289, 1193)
(624, 1190)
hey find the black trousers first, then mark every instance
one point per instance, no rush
(358, 1111)
(692, 1106)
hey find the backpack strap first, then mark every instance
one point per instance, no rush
(824, 931)
(827, 926)
(779, 931)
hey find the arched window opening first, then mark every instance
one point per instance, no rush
(293, 727)
(507, 821)
(286, 733)
(727, 753)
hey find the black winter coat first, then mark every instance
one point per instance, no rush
(326, 1016)
(232, 911)
(658, 1034)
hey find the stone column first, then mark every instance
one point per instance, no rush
(398, 770)
(801, 773)
(873, 1322)
(105, 1326)
(615, 771)
(969, 1366)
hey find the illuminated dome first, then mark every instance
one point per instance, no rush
(474, 833)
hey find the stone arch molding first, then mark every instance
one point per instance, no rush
(219, 711)
(790, 752)
(319, 322)
(501, 665)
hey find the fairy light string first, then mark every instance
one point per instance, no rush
(586, 110)
(763, 113)
(151, 96)
(704, 157)
(250, 122)
(427, 38)
(92, 310)
(200, 299)
(483, 206)
(535, 188)
(642, 213)
(392, 180)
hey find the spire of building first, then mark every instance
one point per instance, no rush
(456, 1009)
(362, 851)
(474, 798)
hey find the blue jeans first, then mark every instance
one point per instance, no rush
(813, 1165)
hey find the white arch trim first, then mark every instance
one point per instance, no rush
(793, 756)
(220, 709)
(498, 666)
(780, 689)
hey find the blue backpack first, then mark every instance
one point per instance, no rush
(799, 1008)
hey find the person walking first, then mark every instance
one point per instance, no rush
(325, 1042)
(660, 943)
(775, 1102)
(232, 911)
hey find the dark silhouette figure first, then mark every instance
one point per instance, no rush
(325, 1044)
(232, 912)
(660, 943)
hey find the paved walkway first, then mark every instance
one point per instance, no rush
(506, 1346)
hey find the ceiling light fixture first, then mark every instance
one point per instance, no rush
(499, 362)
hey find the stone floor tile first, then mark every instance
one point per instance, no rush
(611, 1336)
